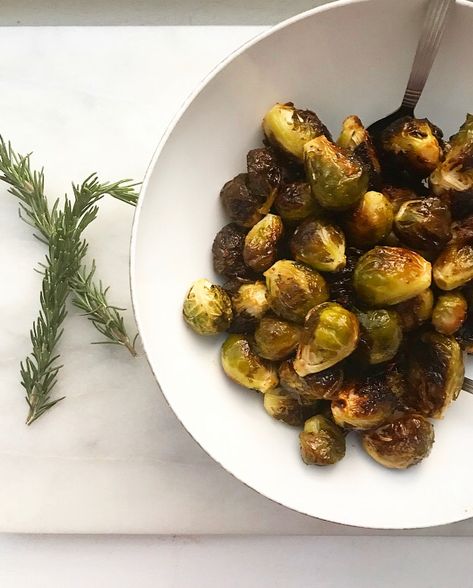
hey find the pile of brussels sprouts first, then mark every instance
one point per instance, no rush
(348, 273)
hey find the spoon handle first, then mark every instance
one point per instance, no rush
(468, 385)
(429, 42)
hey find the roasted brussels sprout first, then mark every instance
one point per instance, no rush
(435, 374)
(388, 275)
(227, 251)
(250, 303)
(294, 289)
(244, 367)
(321, 442)
(319, 244)
(294, 202)
(450, 313)
(330, 334)
(264, 175)
(397, 196)
(401, 443)
(424, 223)
(453, 268)
(341, 282)
(337, 179)
(413, 144)
(261, 243)
(276, 339)
(207, 308)
(282, 406)
(414, 312)
(364, 403)
(307, 390)
(288, 128)
(380, 335)
(370, 222)
(241, 205)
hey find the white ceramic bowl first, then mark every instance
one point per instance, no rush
(343, 58)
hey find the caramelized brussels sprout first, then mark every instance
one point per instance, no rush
(227, 251)
(250, 303)
(307, 390)
(244, 367)
(261, 243)
(242, 206)
(294, 202)
(435, 374)
(462, 231)
(337, 179)
(388, 275)
(294, 289)
(424, 223)
(283, 407)
(207, 308)
(320, 245)
(401, 443)
(370, 222)
(453, 268)
(289, 128)
(449, 313)
(414, 312)
(321, 442)
(356, 139)
(341, 282)
(380, 335)
(413, 144)
(276, 339)
(264, 175)
(397, 196)
(330, 334)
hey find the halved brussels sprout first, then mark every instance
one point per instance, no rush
(227, 251)
(283, 407)
(370, 222)
(337, 179)
(380, 335)
(250, 303)
(264, 174)
(330, 334)
(261, 243)
(313, 387)
(244, 367)
(294, 202)
(207, 308)
(276, 339)
(397, 196)
(401, 443)
(241, 205)
(321, 442)
(320, 245)
(435, 374)
(364, 403)
(450, 313)
(424, 223)
(388, 275)
(289, 128)
(414, 312)
(453, 268)
(294, 289)
(413, 144)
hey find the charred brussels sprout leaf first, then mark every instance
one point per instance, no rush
(244, 367)
(454, 266)
(380, 335)
(337, 179)
(330, 334)
(287, 128)
(250, 303)
(242, 206)
(424, 223)
(294, 202)
(207, 308)
(261, 243)
(283, 407)
(417, 310)
(276, 339)
(227, 251)
(321, 442)
(435, 374)
(388, 275)
(264, 175)
(401, 443)
(450, 313)
(320, 245)
(370, 222)
(294, 289)
(323, 385)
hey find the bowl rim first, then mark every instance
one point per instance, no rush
(174, 121)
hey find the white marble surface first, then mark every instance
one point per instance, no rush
(111, 458)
